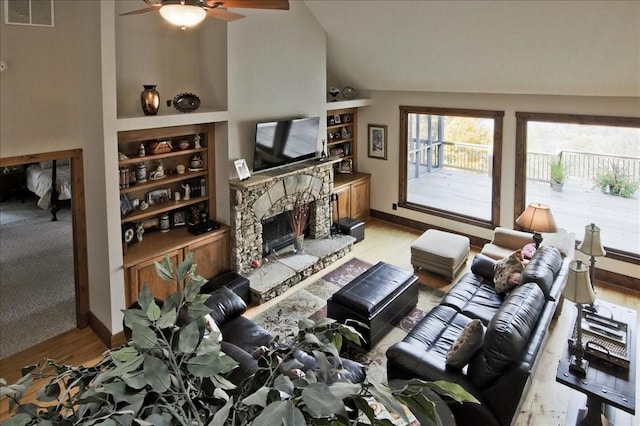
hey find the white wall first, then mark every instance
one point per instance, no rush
(277, 69)
(385, 174)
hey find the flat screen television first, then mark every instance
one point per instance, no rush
(284, 142)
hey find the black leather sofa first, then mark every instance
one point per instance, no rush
(499, 373)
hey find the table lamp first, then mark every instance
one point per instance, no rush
(591, 246)
(578, 289)
(537, 218)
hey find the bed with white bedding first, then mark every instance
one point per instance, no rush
(39, 178)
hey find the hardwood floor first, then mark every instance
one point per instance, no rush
(546, 400)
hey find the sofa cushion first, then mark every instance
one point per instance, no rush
(466, 345)
(225, 305)
(484, 266)
(507, 272)
(474, 297)
(543, 269)
(562, 240)
(507, 334)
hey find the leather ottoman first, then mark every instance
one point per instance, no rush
(379, 298)
(440, 252)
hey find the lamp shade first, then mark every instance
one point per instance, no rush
(537, 218)
(578, 288)
(183, 15)
(591, 245)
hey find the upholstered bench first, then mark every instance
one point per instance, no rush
(440, 252)
(379, 298)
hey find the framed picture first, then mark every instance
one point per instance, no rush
(125, 205)
(158, 196)
(378, 141)
(178, 218)
(346, 166)
(336, 119)
(242, 169)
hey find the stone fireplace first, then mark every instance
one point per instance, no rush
(262, 197)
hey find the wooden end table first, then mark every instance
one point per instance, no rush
(608, 388)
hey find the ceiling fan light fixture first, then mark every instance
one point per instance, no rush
(183, 15)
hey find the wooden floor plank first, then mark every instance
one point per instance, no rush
(546, 400)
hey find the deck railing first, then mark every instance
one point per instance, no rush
(580, 166)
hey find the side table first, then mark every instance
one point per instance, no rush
(607, 387)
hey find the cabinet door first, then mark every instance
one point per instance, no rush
(360, 199)
(212, 256)
(145, 273)
(344, 203)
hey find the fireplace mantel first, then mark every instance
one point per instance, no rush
(272, 192)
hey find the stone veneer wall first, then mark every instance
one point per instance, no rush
(268, 194)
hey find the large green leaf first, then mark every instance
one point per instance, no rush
(167, 319)
(323, 366)
(145, 298)
(280, 413)
(124, 354)
(19, 419)
(342, 390)
(259, 397)
(134, 379)
(171, 302)
(184, 266)
(156, 374)
(153, 311)
(143, 337)
(321, 402)
(221, 416)
(283, 384)
(191, 290)
(197, 309)
(49, 392)
(135, 316)
(452, 390)
(165, 269)
(189, 337)
(384, 396)
(210, 364)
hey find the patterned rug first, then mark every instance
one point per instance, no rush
(311, 302)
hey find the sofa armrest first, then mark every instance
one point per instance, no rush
(484, 266)
(225, 305)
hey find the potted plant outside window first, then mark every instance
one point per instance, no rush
(557, 173)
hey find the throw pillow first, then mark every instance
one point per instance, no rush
(507, 272)
(466, 345)
(528, 251)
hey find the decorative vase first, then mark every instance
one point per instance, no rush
(150, 99)
(298, 244)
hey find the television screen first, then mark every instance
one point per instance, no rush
(285, 142)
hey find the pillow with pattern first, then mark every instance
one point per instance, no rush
(506, 273)
(528, 251)
(466, 345)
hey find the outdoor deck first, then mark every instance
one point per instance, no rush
(575, 207)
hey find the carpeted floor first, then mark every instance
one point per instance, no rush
(311, 302)
(37, 284)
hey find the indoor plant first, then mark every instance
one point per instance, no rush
(157, 377)
(557, 173)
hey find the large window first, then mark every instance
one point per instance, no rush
(587, 169)
(450, 163)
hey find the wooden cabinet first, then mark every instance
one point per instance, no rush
(211, 254)
(186, 156)
(353, 192)
(342, 137)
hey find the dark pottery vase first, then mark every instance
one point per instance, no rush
(150, 99)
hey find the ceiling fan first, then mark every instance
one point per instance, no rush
(187, 13)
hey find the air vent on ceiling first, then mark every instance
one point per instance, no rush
(29, 12)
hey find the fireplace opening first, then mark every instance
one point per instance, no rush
(277, 233)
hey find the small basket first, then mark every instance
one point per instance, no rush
(606, 341)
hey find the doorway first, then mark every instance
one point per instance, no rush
(78, 222)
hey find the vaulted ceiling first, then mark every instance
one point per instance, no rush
(589, 48)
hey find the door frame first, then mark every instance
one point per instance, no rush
(78, 219)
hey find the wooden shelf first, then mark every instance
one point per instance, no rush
(151, 184)
(161, 208)
(339, 141)
(151, 157)
(338, 126)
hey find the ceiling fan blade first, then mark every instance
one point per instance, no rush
(254, 4)
(145, 10)
(225, 15)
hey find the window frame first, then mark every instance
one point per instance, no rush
(520, 186)
(498, 117)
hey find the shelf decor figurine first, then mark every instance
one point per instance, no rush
(150, 99)
(334, 92)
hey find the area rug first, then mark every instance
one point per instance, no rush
(311, 302)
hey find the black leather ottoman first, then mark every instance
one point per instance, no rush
(379, 298)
